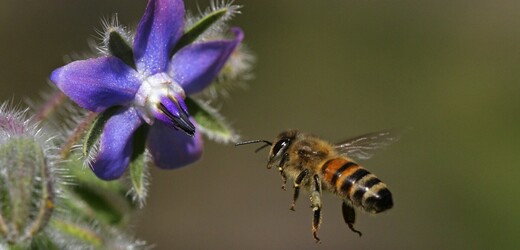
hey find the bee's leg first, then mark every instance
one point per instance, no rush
(297, 183)
(284, 177)
(349, 215)
(316, 207)
(281, 167)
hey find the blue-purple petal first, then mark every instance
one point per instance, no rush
(172, 148)
(115, 148)
(159, 30)
(97, 84)
(195, 66)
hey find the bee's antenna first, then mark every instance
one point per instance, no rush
(253, 141)
(267, 143)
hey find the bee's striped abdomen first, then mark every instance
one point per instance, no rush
(334, 169)
(357, 184)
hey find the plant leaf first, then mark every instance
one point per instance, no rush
(105, 211)
(81, 233)
(105, 199)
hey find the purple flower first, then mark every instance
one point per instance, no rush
(151, 92)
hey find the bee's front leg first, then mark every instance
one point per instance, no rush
(316, 207)
(284, 177)
(281, 167)
(297, 183)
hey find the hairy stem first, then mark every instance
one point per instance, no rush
(77, 134)
(48, 107)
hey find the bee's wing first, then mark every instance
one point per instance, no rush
(364, 146)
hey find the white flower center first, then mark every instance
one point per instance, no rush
(153, 89)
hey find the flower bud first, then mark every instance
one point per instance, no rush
(26, 185)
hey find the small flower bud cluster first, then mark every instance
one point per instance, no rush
(38, 207)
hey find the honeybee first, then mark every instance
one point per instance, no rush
(315, 165)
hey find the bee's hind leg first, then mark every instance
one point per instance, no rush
(349, 215)
(297, 183)
(316, 207)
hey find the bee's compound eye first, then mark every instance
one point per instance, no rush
(283, 143)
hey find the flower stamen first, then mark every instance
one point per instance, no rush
(180, 121)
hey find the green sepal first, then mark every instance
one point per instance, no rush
(210, 122)
(138, 166)
(118, 47)
(138, 176)
(197, 29)
(96, 129)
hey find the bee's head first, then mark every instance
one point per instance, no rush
(278, 148)
(277, 154)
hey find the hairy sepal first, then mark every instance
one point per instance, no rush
(210, 122)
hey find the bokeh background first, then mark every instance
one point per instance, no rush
(337, 68)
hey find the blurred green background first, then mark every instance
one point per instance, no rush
(337, 68)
